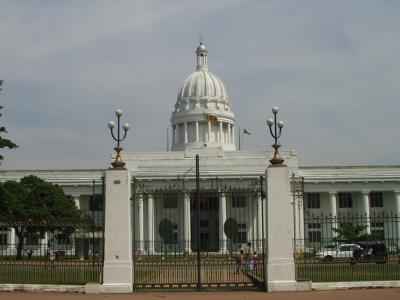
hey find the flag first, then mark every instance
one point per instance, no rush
(212, 118)
(246, 132)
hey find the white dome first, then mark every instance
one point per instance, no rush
(202, 89)
(203, 84)
(202, 115)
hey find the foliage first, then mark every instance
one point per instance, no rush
(33, 205)
(5, 143)
(349, 232)
(354, 233)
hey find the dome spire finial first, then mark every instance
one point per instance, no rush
(202, 53)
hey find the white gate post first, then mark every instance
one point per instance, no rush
(118, 264)
(279, 253)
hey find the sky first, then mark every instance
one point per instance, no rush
(333, 68)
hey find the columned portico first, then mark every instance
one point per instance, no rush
(365, 209)
(259, 221)
(333, 209)
(186, 222)
(222, 219)
(150, 222)
(76, 198)
(140, 223)
(186, 132)
(397, 210)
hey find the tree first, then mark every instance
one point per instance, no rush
(34, 206)
(350, 233)
(5, 143)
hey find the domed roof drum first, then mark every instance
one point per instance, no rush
(202, 89)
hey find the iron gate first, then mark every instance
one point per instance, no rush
(181, 242)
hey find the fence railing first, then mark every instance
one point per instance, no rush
(50, 253)
(349, 248)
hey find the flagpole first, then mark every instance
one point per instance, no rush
(239, 136)
(167, 139)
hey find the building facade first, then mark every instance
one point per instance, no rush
(232, 191)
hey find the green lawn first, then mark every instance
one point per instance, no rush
(47, 273)
(321, 272)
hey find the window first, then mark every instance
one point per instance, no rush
(238, 200)
(378, 230)
(63, 240)
(376, 199)
(242, 234)
(313, 200)
(345, 200)
(203, 223)
(170, 200)
(96, 204)
(3, 237)
(314, 236)
(314, 232)
(342, 225)
(32, 239)
(314, 226)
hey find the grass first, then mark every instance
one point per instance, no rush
(34, 272)
(321, 272)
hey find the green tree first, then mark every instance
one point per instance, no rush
(4, 143)
(350, 233)
(34, 206)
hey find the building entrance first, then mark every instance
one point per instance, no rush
(207, 225)
(184, 241)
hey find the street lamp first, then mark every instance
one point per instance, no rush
(118, 163)
(277, 160)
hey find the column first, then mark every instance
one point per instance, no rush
(220, 132)
(76, 199)
(365, 210)
(12, 247)
(259, 221)
(397, 212)
(140, 222)
(222, 219)
(186, 133)
(118, 264)
(186, 223)
(197, 131)
(333, 209)
(173, 135)
(150, 222)
(233, 134)
(229, 134)
(176, 134)
(209, 131)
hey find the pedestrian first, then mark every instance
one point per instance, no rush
(249, 257)
(239, 261)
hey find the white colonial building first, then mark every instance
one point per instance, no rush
(203, 123)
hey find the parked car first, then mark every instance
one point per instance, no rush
(341, 252)
(375, 251)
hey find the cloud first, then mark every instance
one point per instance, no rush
(331, 66)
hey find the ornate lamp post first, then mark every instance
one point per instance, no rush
(277, 160)
(118, 163)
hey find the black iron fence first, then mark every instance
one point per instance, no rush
(175, 268)
(50, 253)
(210, 239)
(349, 247)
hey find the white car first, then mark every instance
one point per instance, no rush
(342, 252)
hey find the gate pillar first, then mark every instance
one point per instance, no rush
(280, 267)
(118, 264)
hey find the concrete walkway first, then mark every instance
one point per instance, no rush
(362, 294)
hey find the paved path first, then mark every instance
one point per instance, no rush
(363, 294)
